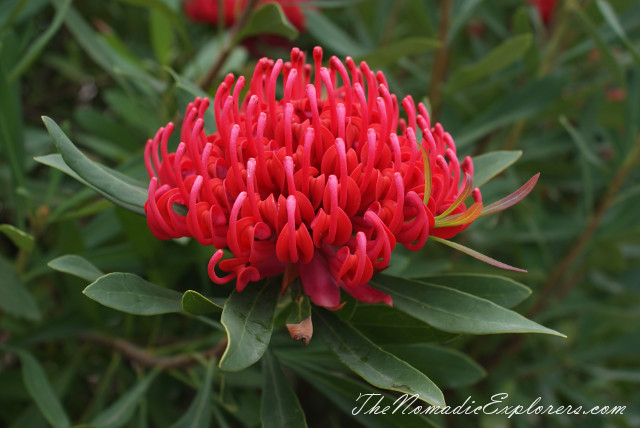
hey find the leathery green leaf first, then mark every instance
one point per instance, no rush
(248, 319)
(488, 165)
(354, 398)
(40, 390)
(447, 367)
(197, 304)
(453, 310)
(387, 325)
(372, 363)
(108, 183)
(21, 239)
(280, 407)
(129, 293)
(76, 265)
(268, 19)
(500, 290)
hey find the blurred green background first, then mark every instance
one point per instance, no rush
(564, 89)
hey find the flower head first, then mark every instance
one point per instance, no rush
(325, 181)
(546, 9)
(207, 11)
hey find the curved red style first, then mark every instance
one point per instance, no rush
(327, 179)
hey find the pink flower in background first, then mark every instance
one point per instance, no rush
(324, 181)
(207, 11)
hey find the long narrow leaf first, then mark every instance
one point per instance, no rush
(580, 142)
(121, 412)
(40, 390)
(452, 310)
(280, 407)
(110, 185)
(199, 413)
(372, 363)
(40, 43)
(488, 165)
(477, 255)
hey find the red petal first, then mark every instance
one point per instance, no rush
(318, 283)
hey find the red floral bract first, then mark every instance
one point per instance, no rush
(320, 181)
(207, 11)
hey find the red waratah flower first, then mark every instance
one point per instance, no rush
(207, 11)
(546, 9)
(324, 181)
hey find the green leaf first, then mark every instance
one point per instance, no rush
(39, 44)
(385, 325)
(349, 395)
(510, 108)
(196, 304)
(447, 367)
(461, 17)
(54, 160)
(390, 54)
(199, 413)
(611, 17)
(488, 165)
(129, 293)
(580, 142)
(15, 299)
(248, 319)
(372, 363)
(500, 57)
(40, 390)
(110, 59)
(280, 407)
(76, 265)
(161, 36)
(12, 141)
(268, 19)
(332, 36)
(21, 239)
(299, 310)
(121, 412)
(608, 57)
(500, 290)
(107, 182)
(453, 310)
(173, 16)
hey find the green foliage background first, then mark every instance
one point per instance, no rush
(111, 73)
